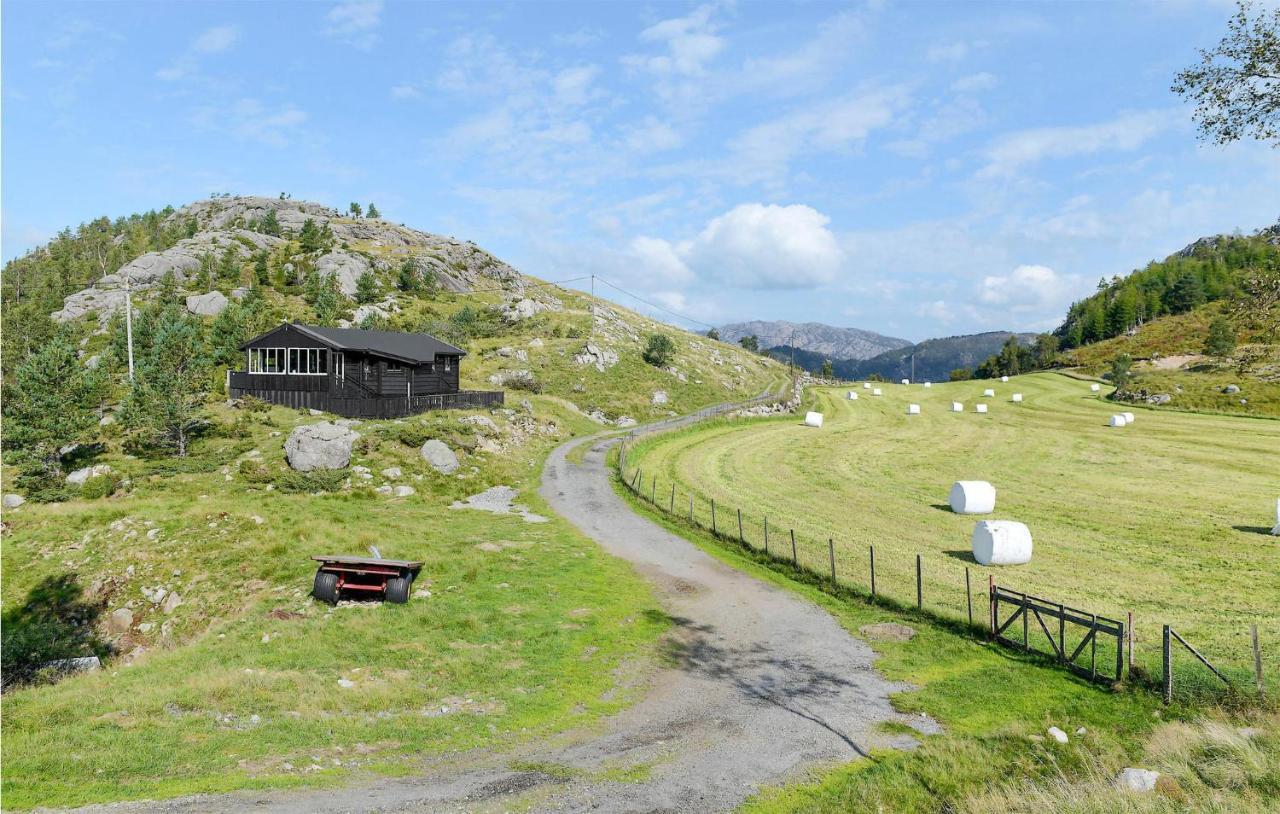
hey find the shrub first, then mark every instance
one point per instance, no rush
(42, 484)
(659, 350)
(290, 481)
(523, 380)
(100, 486)
(254, 471)
(411, 435)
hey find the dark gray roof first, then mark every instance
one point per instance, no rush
(405, 346)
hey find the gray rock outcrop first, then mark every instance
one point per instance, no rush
(319, 446)
(78, 477)
(1137, 780)
(593, 354)
(441, 458)
(12, 501)
(207, 305)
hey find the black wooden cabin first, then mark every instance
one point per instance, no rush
(355, 373)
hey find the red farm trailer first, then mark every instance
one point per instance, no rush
(366, 576)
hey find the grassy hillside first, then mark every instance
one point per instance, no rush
(1167, 518)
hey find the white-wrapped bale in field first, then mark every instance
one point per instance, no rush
(972, 497)
(906, 381)
(813, 419)
(853, 396)
(989, 393)
(1004, 378)
(1001, 542)
(875, 391)
(1276, 530)
(957, 407)
(1128, 418)
(1118, 421)
(1017, 397)
(866, 385)
(913, 409)
(1095, 387)
(981, 408)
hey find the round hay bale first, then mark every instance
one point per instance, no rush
(875, 391)
(1276, 530)
(1118, 421)
(1017, 397)
(913, 409)
(989, 393)
(866, 385)
(1095, 387)
(972, 497)
(1128, 418)
(1004, 378)
(957, 407)
(812, 419)
(981, 408)
(928, 384)
(853, 396)
(1001, 542)
(906, 381)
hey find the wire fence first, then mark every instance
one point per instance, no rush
(955, 595)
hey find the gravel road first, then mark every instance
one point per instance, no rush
(760, 686)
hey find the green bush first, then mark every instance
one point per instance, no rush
(525, 381)
(254, 471)
(41, 485)
(100, 486)
(292, 482)
(411, 435)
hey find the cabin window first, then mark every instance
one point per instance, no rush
(448, 364)
(394, 367)
(308, 361)
(267, 360)
(340, 366)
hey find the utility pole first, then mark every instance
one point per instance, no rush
(128, 321)
(593, 306)
(913, 367)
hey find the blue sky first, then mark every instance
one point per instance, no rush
(919, 169)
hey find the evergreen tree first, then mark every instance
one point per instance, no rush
(310, 238)
(1121, 370)
(49, 404)
(229, 265)
(713, 334)
(1046, 351)
(1187, 293)
(1222, 338)
(261, 271)
(751, 343)
(373, 211)
(270, 224)
(204, 276)
(167, 398)
(354, 209)
(659, 350)
(330, 306)
(407, 279)
(827, 371)
(366, 288)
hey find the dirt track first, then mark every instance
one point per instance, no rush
(761, 685)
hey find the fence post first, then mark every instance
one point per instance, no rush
(690, 508)
(1257, 663)
(1129, 642)
(968, 595)
(831, 549)
(653, 495)
(919, 586)
(741, 539)
(671, 507)
(873, 571)
(766, 534)
(795, 560)
(1168, 668)
(991, 603)
(713, 516)
(1120, 656)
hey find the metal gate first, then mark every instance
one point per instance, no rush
(1025, 608)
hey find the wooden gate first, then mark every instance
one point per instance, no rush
(1025, 608)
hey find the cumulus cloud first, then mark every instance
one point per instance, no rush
(767, 246)
(1125, 133)
(659, 259)
(1036, 294)
(355, 22)
(210, 41)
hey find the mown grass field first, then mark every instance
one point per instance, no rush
(994, 755)
(1167, 519)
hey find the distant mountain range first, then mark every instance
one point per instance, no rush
(830, 342)
(934, 358)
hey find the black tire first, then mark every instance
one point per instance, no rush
(398, 590)
(326, 587)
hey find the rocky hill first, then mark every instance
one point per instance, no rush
(830, 341)
(936, 358)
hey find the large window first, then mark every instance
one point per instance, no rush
(298, 361)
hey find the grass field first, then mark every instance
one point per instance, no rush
(1167, 518)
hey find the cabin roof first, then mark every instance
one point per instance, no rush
(409, 347)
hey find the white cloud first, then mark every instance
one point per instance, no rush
(355, 22)
(766, 246)
(1124, 133)
(1037, 295)
(250, 120)
(652, 136)
(690, 43)
(974, 82)
(660, 260)
(210, 41)
(572, 87)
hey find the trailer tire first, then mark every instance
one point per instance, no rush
(398, 590)
(325, 587)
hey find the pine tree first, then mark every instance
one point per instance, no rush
(270, 224)
(354, 209)
(261, 271)
(229, 265)
(366, 288)
(49, 404)
(659, 350)
(407, 279)
(329, 305)
(310, 238)
(166, 400)
(1222, 338)
(373, 211)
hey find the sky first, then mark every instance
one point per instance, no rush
(918, 169)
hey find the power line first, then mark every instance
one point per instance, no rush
(655, 305)
(553, 283)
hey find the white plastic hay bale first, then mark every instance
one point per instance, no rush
(813, 419)
(1001, 542)
(906, 381)
(1276, 530)
(1118, 421)
(913, 409)
(875, 391)
(981, 408)
(1004, 378)
(957, 407)
(972, 497)
(1128, 418)
(989, 393)
(928, 384)
(853, 396)
(1095, 387)
(1017, 397)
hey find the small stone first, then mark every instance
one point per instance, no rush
(1057, 734)
(1231, 388)
(121, 620)
(153, 534)
(316, 412)
(404, 491)
(171, 602)
(391, 472)
(346, 683)
(12, 501)
(1137, 780)
(888, 631)
(1081, 731)
(441, 458)
(257, 521)
(384, 489)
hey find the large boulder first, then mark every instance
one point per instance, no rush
(13, 501)
(593, 354)
(345, 267)
(207, 305)
(78, 477)
(319, 446)
(441, 458)
(522, 309)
